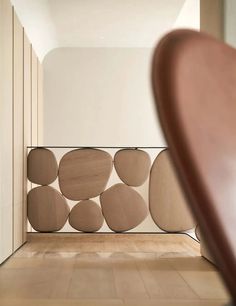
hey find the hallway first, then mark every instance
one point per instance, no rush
(109, 269)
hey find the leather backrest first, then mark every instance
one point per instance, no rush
(194, 83)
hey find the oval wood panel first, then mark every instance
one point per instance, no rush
(132, 166)
(47, 209)
(83, 173)
(167, 203)
(42, 166)
(123, 207)
(86, 216)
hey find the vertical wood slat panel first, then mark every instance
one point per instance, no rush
(34, 67)
(6, 85)
(34, 103)
(27, 124)
(18, 133)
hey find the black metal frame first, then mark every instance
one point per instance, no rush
(112, 147)
(94, 147)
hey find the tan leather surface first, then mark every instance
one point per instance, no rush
(123, 207)
(42, 166)
(84, 173)
(47, 209)
(194, 82)
(167, 202)
(132, 166)
(86, 216)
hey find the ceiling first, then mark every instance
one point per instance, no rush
(51, 24)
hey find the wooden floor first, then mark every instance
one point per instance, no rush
(107, 269)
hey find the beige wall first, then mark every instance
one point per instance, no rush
(218, 18)
(6, 87)
(230, 22)
(18, 129)
(16, 103)
(212, 17)
(102, 95)
(27, 124)
(34, 96)
(99, 96)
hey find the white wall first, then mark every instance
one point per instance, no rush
(99, 96)
(103, 97)
(230, 22)
(51, 24)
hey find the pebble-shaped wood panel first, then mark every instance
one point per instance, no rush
(123, 207)
(47, 209)
(167, 203)
(42, 168)
(86, 216)
(84, 173)
(132, 166)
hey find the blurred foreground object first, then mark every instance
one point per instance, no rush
(194, 84)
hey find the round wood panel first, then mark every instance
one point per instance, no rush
(167, 203)
(47, 209)
(84, 173)
(123, 207)
(86, 216)
(132, 166)
(42, 166)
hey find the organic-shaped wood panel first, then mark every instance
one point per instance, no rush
(84, 173)
(86, 216)
(123, 207)
(42, 166)
(47, 209)
(167, 203)
(132, 166)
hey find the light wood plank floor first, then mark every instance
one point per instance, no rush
(110, 269)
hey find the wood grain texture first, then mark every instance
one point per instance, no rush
(167, 203)
(123, 207)
(61, 270)
(6, 88)
(42, 168)
(113, 302)
(47, 209)
(86, 216)
(84, 173)
(18, 134)
(132, 166)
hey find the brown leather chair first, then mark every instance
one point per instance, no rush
(194, 83)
